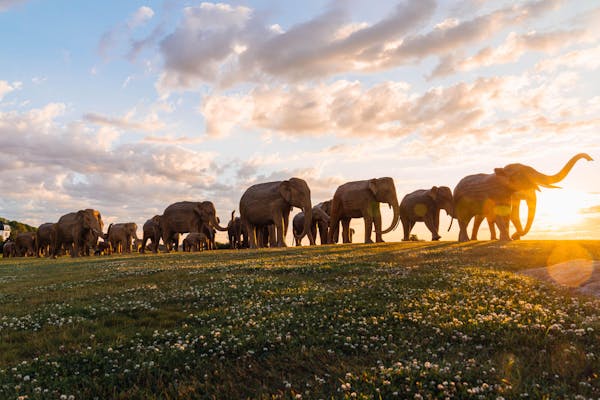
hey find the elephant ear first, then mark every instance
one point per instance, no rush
(433, 193)
(373, 186)
(285, 190)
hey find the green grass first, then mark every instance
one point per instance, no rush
(392, 320)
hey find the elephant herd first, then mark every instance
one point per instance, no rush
(265, 210)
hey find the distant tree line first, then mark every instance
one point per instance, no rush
(16, 227)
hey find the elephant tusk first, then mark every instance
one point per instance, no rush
(550, 186)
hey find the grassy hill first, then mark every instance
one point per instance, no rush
(398, 320)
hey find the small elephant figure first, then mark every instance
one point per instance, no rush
(320, 220)
(121, 236)
(152, 232)
(270, 203)
(26, 244)
(360, 199)
(238, 235)
(197, 241)
(73, 231)
(102, 248)
(424, 206)
(9, 249)
(45, 237)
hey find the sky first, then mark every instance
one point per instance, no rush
(127, 107)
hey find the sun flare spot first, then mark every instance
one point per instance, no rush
(570, 265)
(561, 208)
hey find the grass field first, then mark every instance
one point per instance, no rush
(405, 320)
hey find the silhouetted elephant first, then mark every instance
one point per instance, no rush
(9, 249)
(121, 236)
(489, 195)
(270, 203)
(320, 220)
(45, 236)
(238, 235)
(361, 199)
(73, 229)
(196, 241)
(26, 244)
(424, 206)
(152, 232)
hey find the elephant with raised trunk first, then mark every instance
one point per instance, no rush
(424, 206)
(360, 199)
(320, 220)
(185, 217)
(152, 232)
(45, 237)
(73, 231)
(491, 195)
(270, 203)
(121, 236)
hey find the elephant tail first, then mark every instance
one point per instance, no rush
(451, 221)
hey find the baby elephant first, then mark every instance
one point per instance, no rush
(197, 241)
(320, 220)
(425, 206)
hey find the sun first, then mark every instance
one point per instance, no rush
(560, 208)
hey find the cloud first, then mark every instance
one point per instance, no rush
(588, 58)
(6, 88)
(121, 33)
(5, 5)
(513, 48)
(150, 124)
(223, 45)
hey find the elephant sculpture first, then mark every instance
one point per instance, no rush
(490, 195)
(152, 232)
(424, 206)
(26, 244)
(196, 241)
(269, 203)
(530, 197)
(360, 199)
(45, 237)
(9, 249)
(320, 220)
(121, 236)
(187, 216)
(236, 232)
(73, 229)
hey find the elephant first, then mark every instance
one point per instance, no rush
(9, 249)
(490, 195)
(102, 248)
(26, 244)
(73, 229)
(360, 199)
(196, 240)
(45, 237)
(269, 203)
(424, 206)
(235, 233)
(151, 231)
(121, 236)
(320, 219)
(187, 216)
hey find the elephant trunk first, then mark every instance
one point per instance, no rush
(215, 223)
(516, 215)
(396, 218)
(548, 180)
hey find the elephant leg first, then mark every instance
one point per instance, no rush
(377, 223)
(368, 228)
(492, 228)
(502, 223)
(476, 223)
(430, 224)
(346, 230)
(463, 223)
(406, 227)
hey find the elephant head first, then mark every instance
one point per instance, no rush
(442, 196)
(384, 191)
(524, 181)
(296, 193)
(206, 212)
(91, 220)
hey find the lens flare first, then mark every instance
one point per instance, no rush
(570, 265)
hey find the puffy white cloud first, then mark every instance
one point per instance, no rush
(588, 58)
(140, 17)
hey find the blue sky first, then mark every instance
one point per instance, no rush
(127, 107)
